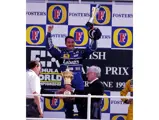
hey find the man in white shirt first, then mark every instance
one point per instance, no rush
(33, 107)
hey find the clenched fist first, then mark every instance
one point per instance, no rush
(94, 34)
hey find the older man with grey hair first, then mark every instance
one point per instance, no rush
(95, 88)
(93, 73)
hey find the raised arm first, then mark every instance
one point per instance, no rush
(95, 35)
(53, 50)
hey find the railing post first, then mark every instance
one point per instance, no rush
(88, 107)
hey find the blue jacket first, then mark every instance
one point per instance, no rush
(72, 59)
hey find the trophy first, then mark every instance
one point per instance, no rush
(94, 13)
(89, 24)
(67, 76)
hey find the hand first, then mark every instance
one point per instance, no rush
(41, 115)
(95, 34)
(68, 87)
(50, 28)
(60, 91)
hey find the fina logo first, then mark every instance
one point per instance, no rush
(104, 15)
(105, 104)
(80, 35)
(122, 37)
(54, 105)
(35, 35)
(57, 14)
(119, 117)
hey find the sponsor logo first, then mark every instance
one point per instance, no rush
(57, 13)
(80, 35)
(116, 102)
(35, 13)
(117, 117)
(117, 15)
(79, 14)
(76, 55)
(103, 17)
(106, 103)
(50, 75)
(54, 104)
(66, 56)
(35, 35)
(122, 37)
(58, 35)
(71, 62)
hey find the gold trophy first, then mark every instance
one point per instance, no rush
(67, 76)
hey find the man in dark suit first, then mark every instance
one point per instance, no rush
(95, 88)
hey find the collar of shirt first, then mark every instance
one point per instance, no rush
(93, 80)
(31, 71)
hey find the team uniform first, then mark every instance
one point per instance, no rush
(128, 88)
(71, 59)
